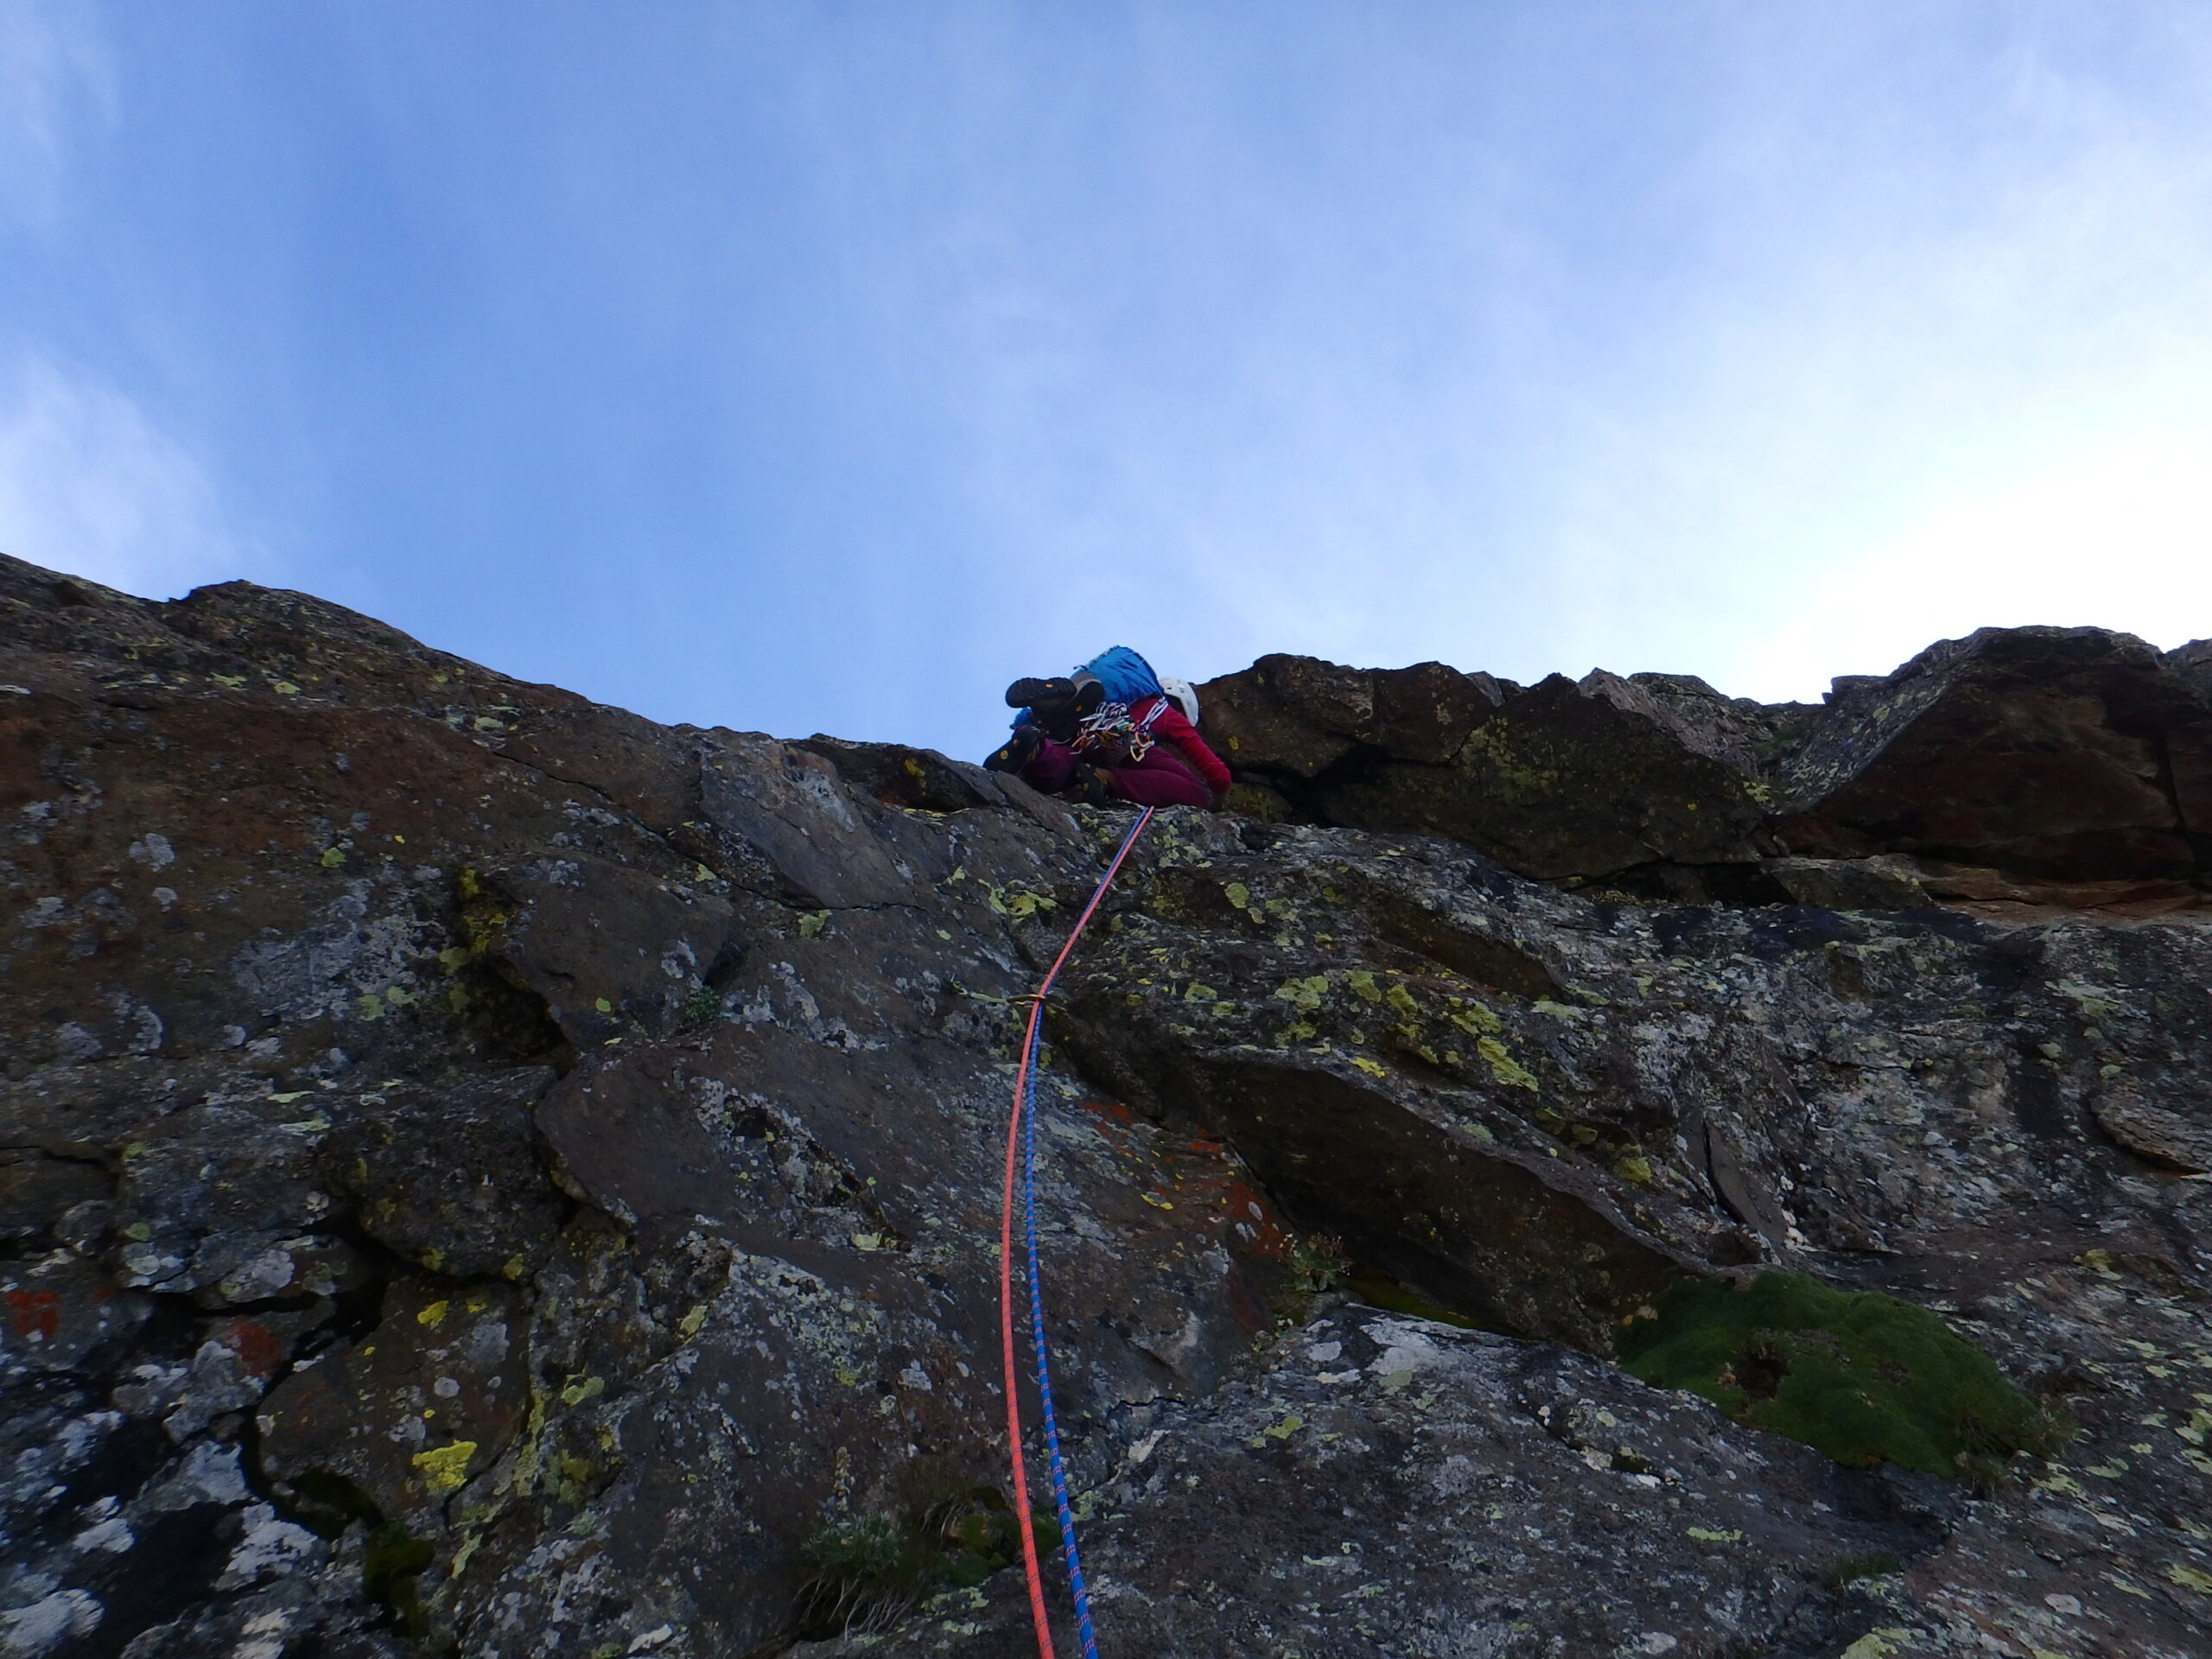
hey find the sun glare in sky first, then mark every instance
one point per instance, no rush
(2122, 538)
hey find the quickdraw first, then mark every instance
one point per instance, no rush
(1022, 1161)
(1111, 727)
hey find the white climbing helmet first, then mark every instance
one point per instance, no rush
(1184, 694)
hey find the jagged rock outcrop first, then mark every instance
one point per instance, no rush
(2019, 765)
(2193, 662)
(1557, 779)
(481, 1172)
(2073, 754)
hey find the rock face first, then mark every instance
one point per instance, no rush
(2071, 765)
(2070, 754)
(483, 1173)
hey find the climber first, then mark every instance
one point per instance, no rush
(1113, 732)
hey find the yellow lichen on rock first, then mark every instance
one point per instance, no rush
(1503, 1065)
(445, 1468)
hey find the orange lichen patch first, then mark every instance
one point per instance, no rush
(1247, 1305)
(35, 1313)
(1248, 1207)
(1205, 1176)
(258, 1350)
(1118, 1126)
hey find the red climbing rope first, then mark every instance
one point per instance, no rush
(1013, 1147)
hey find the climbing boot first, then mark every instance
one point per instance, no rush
(1017, 751)
(1049, 699)
(1037, 694)
(1091, 786)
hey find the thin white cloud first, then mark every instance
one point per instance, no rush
(55, 78)
(90, 484)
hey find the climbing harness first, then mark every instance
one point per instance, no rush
(1021, 1158)
(1111, 729)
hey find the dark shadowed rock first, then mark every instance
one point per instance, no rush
(2047, 759)
(1563, 779)
(396, 1424)
(1424, 713)
(37, 1192)
(1573, 779)
(2193, 662)
(446, 1175)
(609, 950)
(921, 778)
(1295, 716)
(1878, 883)
(2064, 752)
(1300, 715)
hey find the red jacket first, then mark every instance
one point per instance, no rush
(1184, 742)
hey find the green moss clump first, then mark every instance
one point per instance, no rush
(1378, 1289)
(1864, 1377)
(1852, 1568)
(863, 1576)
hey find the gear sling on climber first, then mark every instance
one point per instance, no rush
(1114, 732)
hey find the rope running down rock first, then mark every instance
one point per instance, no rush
(1022, 1157)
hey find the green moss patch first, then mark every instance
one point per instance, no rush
(864, 1575)
(1864, 1377)
(1378, 1289)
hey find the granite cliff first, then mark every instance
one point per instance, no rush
(482, 1173)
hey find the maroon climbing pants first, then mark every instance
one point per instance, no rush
(1158, 779)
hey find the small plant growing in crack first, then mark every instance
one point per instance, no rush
(865, 1575)
(1314, 1265)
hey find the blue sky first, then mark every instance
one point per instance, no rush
(800, 367)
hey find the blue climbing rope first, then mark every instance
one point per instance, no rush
(1044, 1364)
(1025, 1126)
